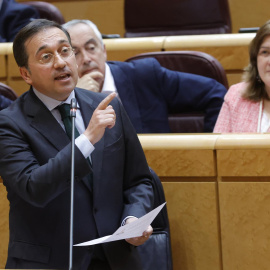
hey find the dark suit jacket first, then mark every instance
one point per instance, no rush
(13, 17)
(148, 91)
(35, 167)
(4, 102)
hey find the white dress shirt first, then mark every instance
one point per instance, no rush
(109, 84)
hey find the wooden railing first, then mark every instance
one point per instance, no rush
(231, 50)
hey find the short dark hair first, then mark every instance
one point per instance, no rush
(255, 90)
(31, 29)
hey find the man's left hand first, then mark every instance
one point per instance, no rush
(137, 241)
(91, 81)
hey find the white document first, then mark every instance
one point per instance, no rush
(133, 229)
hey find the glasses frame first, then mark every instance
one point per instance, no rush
(53, 55)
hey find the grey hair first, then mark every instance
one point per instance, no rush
(87, 22)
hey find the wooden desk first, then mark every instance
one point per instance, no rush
(219, 221)
(187, 167)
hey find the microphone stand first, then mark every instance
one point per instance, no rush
(73, 108)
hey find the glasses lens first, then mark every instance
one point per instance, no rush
(66, 52)
(47, 58)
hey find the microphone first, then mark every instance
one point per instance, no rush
(73, 108)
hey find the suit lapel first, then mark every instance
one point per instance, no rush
(87, 107)
(44, 122)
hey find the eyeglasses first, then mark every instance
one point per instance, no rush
(48, 58)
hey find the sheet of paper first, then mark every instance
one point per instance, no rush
(133, 229)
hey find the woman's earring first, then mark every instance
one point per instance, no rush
(259, 79)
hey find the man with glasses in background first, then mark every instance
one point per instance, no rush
(147, 90)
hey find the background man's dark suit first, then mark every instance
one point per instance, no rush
(13, 17)
(147, 90)
(4, 102)
(35, 167)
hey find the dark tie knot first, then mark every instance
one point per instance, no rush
(64, 110)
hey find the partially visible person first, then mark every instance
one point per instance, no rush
(146, 89)
(247, 104)
(13, 17)
(4, 102)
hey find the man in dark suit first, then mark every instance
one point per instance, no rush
(145, 88)
(13, 17)
(112, 180)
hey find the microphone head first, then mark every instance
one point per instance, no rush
(73, 107)
(73, 103)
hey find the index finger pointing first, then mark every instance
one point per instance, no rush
(105, 102)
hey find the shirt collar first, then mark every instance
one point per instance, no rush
(51, 103)
(109, 84)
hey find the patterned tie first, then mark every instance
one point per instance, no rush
(64, 110)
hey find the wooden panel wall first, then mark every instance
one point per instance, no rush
(248, 13)
(220, 221)
(4, 229)
(244, 189)
(109, 14)
(187, 168)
